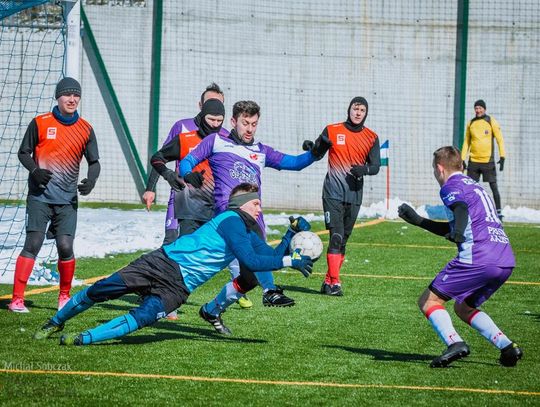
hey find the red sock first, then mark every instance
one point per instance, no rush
(23, 269)
(66, 269)
(341, 260)
(334, 265)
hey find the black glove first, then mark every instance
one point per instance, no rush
(86, 186)
(302, 263)
(299, 224)
(501, 163)
(464, 165)
(321, 146)
(307, 145)
(174, 180)
(359, 170)
(41, 176)
(195, 178)
(455, 237)
(409, 215)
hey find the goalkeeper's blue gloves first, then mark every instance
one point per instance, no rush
(298, 224)
(304, 264)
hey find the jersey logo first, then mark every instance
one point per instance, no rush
(341, 139)
(243, 173)
(51, 133)
(254, 157)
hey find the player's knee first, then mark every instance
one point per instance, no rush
(149, 311)
(245, 282)
(32, 244)
(64, 245)
(336, 242)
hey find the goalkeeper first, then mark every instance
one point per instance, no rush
(483, 263)
(167, 276)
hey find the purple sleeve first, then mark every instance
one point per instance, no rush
(273, 157)
(173, 132)
(450, 194)
(204, 149)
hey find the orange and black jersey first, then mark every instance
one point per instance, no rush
(59, 148)
(349, 148)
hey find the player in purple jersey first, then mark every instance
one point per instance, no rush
(483, 263)
(183, 126)
(235, 160)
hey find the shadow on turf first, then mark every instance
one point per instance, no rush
(297, 289)
(384, 355)
(180, 332)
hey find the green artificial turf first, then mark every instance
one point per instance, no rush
(370, 347)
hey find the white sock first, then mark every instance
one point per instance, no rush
(442, 324)
(487, 328)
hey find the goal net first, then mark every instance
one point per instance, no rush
(32, 57)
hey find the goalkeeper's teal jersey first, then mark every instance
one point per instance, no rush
(210, 249)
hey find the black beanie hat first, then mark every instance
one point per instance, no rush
(480, 103)
(67, 86)
(214, 107)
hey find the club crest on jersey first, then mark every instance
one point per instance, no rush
(341, 139)
(254, 157)
(51, 133)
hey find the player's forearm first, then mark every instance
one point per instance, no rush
(27, 161)
(437, 228)
(94, 169)
(187, 164)
(296, 162)
(152, 180)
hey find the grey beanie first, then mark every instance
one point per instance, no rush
(67, 86)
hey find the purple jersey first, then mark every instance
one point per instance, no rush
(486, 242)
(181, 126)
(233, 164)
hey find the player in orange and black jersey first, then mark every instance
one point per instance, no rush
(51, 150)
(353, 154)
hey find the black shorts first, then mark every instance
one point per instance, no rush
(62, 218)
(340, 216)
(487, 170)
(156, 274)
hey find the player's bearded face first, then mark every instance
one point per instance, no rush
(67, 104)
(252, 208)
(357, 113)
(246, 127)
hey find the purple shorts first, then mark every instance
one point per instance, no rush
(469, 283)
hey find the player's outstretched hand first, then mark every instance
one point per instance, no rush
(86, 186)
(195, 178)
(174, 180)
(321, 146)
(501, 163)
(148, 199)
(304, 264)
(307, 145)
(41, 176)
(358, 171)
(455, 237)
(409, 215)
(299, 224)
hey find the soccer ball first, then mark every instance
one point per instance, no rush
(309, 244)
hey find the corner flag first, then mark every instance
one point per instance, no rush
(384, 153)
